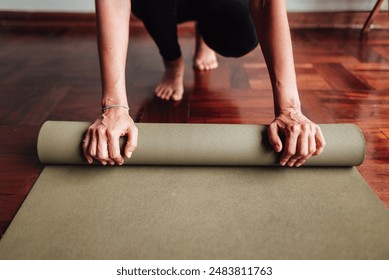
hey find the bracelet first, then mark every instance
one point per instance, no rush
(114, 106)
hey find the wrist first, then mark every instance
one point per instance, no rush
(110, 101)
(115, 112)
(288, 109)
(286, 101)
(114, 106)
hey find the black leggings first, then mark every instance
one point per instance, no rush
(226, 25)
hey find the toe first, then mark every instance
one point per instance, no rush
(158, 91)
(200, 66)
(167, 94)
(177, 96)
(164, 93)
(161, 93)
(178, 93)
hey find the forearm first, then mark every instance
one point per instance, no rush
(273, 32)
(113, 20)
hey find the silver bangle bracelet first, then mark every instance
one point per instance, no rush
(114, 106)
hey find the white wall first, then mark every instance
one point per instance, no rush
(48, 5)
(331, 5)
(88, 5)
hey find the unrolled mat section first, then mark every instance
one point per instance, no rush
(199, 192)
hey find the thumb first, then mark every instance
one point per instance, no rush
(274, 138)
(132, 141)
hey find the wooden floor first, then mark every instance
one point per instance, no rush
(56, 76)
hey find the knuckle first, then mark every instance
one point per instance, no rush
(289, 153)
(110, 134)
(117, 158)
(102, 154)
(295, 128)
(272, 141)
(101, 130)
(305, 127)
(93, 128)
(98, 158)
(101, 157)
(303, 154)
(132, 147)
(273, 125)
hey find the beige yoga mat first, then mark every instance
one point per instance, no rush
(199, 192)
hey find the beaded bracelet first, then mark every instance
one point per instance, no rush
(114, 106)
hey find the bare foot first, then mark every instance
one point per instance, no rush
(172, 83)
(205, 57)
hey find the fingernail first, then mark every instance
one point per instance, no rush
(129, 154)
(283, 163)
(90, 161)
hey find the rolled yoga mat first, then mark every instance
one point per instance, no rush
(199, 192)
(199, 144)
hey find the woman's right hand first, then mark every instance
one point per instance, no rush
(101, 141)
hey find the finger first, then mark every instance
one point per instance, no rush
(102, 151)
(300, 162)
(92, 144)
(274, 138)
(320, 141)
(85, 145)
(302, 146)
(132, 141)
(311, 144)
(302, 150)
(311, 150)
(290, 146)
(114, 148)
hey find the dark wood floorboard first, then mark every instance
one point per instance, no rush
(55, 75)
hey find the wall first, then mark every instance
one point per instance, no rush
(48, 5)
(88, 5)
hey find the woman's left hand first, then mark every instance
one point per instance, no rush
(303, 138)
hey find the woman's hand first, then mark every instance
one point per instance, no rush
(101, 141)
(303, 138)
